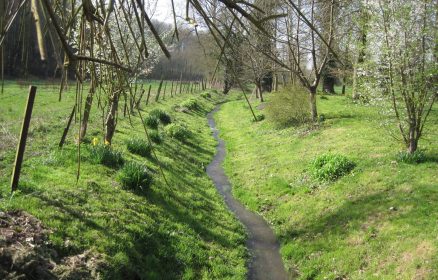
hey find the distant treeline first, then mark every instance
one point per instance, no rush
(21, 55)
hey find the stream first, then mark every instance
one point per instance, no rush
(266, 262)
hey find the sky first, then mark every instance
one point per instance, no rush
(163, 10)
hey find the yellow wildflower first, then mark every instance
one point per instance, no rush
(107, 143)
(95, 141)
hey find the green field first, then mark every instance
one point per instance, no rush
(378, 222)
(179, 232)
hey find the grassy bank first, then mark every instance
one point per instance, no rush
(377, 222)
(179, 232)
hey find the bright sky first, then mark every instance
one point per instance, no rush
(164, 9)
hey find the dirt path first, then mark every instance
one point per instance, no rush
(266, 262)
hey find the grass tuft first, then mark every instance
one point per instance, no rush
(161, 115)
(139, 147)
(151, 121)
(178, 132)
(329, 167)
(104, 154)
(156, 136)
(191, 104)
(416, 157)
(135, 177)
(206, 95)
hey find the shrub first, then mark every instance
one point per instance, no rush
(178, 132)
(135, 177)
(103, 154)
(206, 95)
(329, 167)
(161, 115)
(155, 137)
(151, 121)
(289, 107)
(139, 147)
(190, 104)
(416, 157)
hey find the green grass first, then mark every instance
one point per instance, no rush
(179, 232)
(377, 222)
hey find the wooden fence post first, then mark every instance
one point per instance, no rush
(171, 90)
(23, 137)
(164, 91)
(67, 128)
(159, 91)
(149, 94)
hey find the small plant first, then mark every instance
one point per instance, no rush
(259, 118)
(416, 157)
(161, 115)
(329, 167)
(190, 104)
(178, 132)
(155, 137)
(322, 97)
(139, 147)
(206, 95)
(321, 118)
(151, 121)
(135, 177)
(104, 154)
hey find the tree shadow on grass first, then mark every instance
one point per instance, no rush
(148, 251)
(369, 210)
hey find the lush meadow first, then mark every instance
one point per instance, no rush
(121, 209)
(378, 221)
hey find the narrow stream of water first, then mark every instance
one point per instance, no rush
(265, 261)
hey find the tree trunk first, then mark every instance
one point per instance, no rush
(343, 85)
(328, 84)
(413, 139)
(259, 89)
(413, 145)
(111, 118)
(313, 109)
(87, 110)
(355, 95)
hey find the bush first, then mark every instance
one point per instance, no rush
(416, 157)
(135, 177)
(151, 121)
(178, 132)
(139, 147)
(329, 167)
(155, 137)
(103, 154)
(161, 115)
(206, 95)
(190, 104)
(289, 107)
